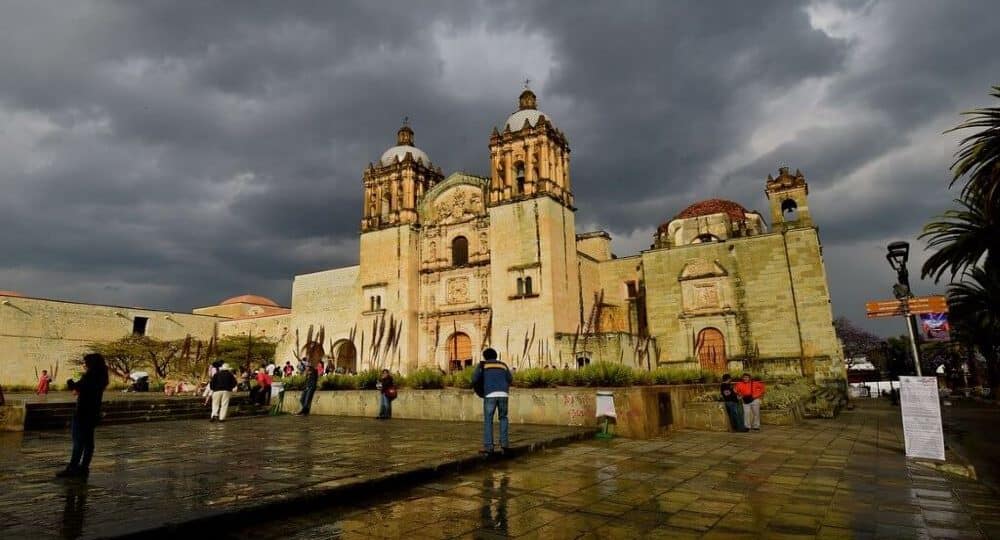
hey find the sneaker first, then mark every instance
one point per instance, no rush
(756, 429)
(485, 452)
(68, 472)
(213, 419)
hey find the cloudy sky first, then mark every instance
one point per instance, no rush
(171, 154)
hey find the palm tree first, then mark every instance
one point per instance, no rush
(978, 158)
(974, 305)
(962, 238)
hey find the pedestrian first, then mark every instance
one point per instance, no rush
(387, 392)
(750, 391)
(288, 369)
(264, 387)
(89, 391)
(329, 367)
(223, 383)
(320, 368)
(734, 410)
(302, 366)
(492, 380)
(43, 383)
(308, 391)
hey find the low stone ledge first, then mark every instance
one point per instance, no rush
(12, 417)
(643, 411)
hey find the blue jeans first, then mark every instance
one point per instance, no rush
(385, 406)
(83, 444)
(306, 400)
(734, 409)
(490, 405)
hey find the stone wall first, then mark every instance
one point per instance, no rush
(639, 410)
(329, 299)
(37, 334)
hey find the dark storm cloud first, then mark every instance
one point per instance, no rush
(171, 154)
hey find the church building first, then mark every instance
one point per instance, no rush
(451, 265)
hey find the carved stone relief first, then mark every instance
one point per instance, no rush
(459, 204)
(706, 296)
(458, 290)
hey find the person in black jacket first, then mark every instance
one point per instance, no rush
(89, 392)
(306, 399)
(384, 384)
(734, 409)
(222, 384)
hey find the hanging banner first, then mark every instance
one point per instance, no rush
(934, 326)
(921, 417)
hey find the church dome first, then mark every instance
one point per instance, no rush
(708, 207)
(249, 299)
(11, 294)
(404, 145)
(527, 111)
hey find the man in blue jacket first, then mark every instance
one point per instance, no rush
(493, 377)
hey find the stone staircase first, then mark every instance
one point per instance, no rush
(825, 403)
(40, 416)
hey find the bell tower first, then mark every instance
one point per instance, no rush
(788, 196)
(529, 158)
(394, 185)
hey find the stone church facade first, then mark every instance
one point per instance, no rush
(450, 265)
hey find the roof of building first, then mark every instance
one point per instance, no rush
(527, 111)
(399, 152)
(249, 299)
(10, 293)
(713, 206)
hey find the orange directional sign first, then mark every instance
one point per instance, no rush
(894, 308)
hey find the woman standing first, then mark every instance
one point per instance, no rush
(387, 392)
(89, 391)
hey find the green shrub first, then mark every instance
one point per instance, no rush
(642, 377)
(367, 379)
(784, 394)
(460, 379)
(337, 381)
(423, 378)
(605, 374)
(536, 378)
(295, 382)
(568, 377)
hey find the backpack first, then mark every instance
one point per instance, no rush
(479, 385)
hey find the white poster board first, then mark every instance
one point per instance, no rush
(921, 417)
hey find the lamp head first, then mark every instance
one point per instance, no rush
(898, 254)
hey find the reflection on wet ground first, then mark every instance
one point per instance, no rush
(843, 478)
(147, 475)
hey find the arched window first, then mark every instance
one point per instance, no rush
(789, 206)
(520, 286)
(527, 285)
(345, 356)
(519, 176)
(459, 251)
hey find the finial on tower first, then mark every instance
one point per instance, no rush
(527, 99)
(405, 134)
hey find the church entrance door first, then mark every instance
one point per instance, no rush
(711, 347)
(459, 351)
(345, 355)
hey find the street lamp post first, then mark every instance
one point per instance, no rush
(899, 253)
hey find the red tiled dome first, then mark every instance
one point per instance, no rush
(249, 299)
(713, 206)
(11, 293)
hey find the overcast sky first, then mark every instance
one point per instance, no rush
(172, 154)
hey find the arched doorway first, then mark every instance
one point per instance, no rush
(711, 347)
(345, 356)
(459, 347)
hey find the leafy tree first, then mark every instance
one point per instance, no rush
(857, 341)
(961, 239)
(245, 349)
(124, 355)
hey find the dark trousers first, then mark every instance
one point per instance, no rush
(306, 400)
(496, 405)
(83, 444)
(734, 410)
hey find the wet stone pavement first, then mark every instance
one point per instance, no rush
(147, 475)
(843, 478)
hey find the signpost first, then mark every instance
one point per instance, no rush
(921, 417)
(906, 308)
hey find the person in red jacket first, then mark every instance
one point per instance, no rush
(43, 383)
(750, 391)
(264, 381)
